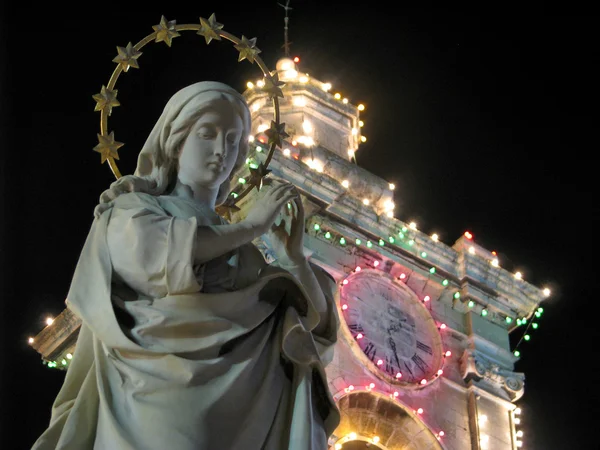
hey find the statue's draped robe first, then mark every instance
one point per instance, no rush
(178, 356)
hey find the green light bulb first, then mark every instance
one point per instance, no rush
(519, 322)
(317, 227)
(508, 320)
(342, 241)
(432, 270)
(404, 229)
(358, 241)
(392, 240)
(258, 149)
(254, 166)
(471, 303)
(423, 254)
(401, 234)
(534, 325)
(328, 235)
(234, 195)
(64, 362)
(369, 244)
(411, 242)
(242, 180)
(248, 160)
(526, 337)
(517, 353)
(541, 310)
(445, 283)
(381, 242)
(484, 312)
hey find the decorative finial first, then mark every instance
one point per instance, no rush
(286, 43)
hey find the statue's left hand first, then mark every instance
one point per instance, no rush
(289, 248)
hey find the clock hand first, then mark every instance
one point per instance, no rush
(393, 345)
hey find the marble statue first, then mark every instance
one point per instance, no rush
(189, 340)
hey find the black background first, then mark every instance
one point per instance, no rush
(485, 123)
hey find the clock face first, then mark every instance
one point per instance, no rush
(391, 327)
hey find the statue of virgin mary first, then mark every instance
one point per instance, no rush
(189, 340)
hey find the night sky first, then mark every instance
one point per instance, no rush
(485, 123)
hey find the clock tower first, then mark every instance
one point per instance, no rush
(423, 359)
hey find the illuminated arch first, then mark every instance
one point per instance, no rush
(370, 414)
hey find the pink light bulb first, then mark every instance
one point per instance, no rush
(427, 298)
(439, 372)
(441, 433)
(344, 307)
(359, 336)
(448, 353)
(375, 263)
(350, 388)
(402, 276)
(420, 411)
(443, 326)
(372, 385)
(379, 362)
(423, 381)
(396, 394)
(345, 282)
(398, 375)
(358, 269)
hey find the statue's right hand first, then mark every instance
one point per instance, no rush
(265, 211)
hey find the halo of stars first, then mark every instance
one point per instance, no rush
(165, 31)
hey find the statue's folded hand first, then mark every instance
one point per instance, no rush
(266, 209)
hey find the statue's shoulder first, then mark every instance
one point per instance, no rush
(138, 200)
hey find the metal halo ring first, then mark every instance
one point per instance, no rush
(214, 31)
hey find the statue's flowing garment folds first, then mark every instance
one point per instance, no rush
(179, 356)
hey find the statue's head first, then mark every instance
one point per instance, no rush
(200, 138)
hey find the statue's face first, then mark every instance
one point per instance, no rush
(211, 148)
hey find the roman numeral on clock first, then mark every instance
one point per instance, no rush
(370, 351)
(389, 367)
(420, 363)
(424, 347)
(356, 327)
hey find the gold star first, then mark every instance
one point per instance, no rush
(107, 147)
(210, 28)
(127, 57)
(228, 207)
(165, 31)
(248, 49)
(257, 175)
(272, 84)
(276, 133)
(105, 100)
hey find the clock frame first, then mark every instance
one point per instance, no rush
(389, 329)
